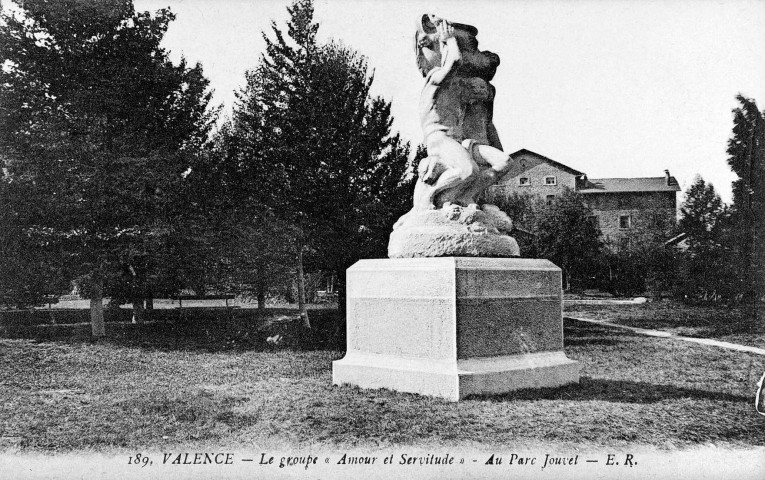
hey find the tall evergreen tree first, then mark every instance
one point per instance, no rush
(97, 127)
(709, 270)
(701, 211)
(746, 150)
(242, 246)
(318, 147)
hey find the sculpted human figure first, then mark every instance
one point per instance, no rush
(456, 110)
(464, 152)
(450, 165)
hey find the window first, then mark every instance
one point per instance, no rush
(625, 221)
(550, 199)
(550, 181)
(624, 243)
(524, 181)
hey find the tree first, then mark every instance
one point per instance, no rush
(523, 209)
(642, 259)
(319, 148)
(746, 150)
(704, 219)
(657, 260)
(242, 246)
(29, 266)
(98, 129)
(701, 212)
(567, 236)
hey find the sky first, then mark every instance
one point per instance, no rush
(613, 88)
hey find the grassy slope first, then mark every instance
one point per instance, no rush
(76, 396)
(721, 323)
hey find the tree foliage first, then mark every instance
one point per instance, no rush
(243, 247)
(97, 128)
(709, 271)
(567, 236)
(29, 269)
(701, 213)
(314, 147)
(521, 207)
(746, 157)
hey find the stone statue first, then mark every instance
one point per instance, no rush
(464, 152)
(464, 324)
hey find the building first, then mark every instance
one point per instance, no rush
(622, 207)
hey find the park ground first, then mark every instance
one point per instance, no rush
(195, 382)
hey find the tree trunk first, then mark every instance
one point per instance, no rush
(341, 289)
(566, 279)
(97, 312)
(301, 290)
(138, 310)
(261, 291)
(149, 307)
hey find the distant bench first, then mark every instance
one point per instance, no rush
(323, 296)
(181, 298)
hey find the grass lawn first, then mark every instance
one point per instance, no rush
(70, 395)
(721, 323)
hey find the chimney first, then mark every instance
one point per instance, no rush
(666, 176)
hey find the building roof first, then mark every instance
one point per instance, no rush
(645, 184)
(611, 185)
(676, 239)
(548, 160)
(679, 241)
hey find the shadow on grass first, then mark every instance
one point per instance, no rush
(216, 330)
(204, 330)
(700, 321)
(581, 334)
(580, 341)
(618, 391)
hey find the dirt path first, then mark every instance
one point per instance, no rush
(659, 333)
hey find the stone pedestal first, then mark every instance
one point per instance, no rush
(454, 326)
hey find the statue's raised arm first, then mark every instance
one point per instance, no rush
(450, 54)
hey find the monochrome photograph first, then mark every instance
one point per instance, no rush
(319, 239)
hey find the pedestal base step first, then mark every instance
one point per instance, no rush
(455, 380)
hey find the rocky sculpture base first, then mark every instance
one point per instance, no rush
(454, 327)
(453, 231)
